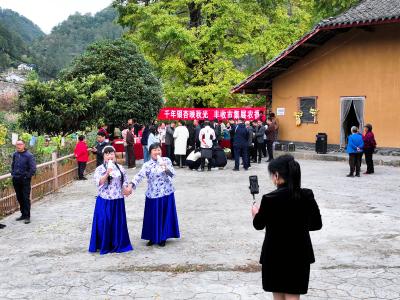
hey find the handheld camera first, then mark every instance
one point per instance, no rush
(254, 188)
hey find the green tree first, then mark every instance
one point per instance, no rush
(194, 45)
(135, 92)
(201, 48)
(330, 8)
(60, 106)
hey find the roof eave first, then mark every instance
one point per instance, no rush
(241, 86)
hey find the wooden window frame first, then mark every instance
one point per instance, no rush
(314, 121)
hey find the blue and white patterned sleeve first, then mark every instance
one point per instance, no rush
(140, 176)
(98, 173)
(170, 168)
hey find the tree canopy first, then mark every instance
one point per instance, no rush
(62, 107)
(202, 48)
(135, 91)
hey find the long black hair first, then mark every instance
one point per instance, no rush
(153, 129)
(289, 170)
(154, 146)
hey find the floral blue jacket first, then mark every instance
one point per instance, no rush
(159, 181)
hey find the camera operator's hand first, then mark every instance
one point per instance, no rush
(254, 210)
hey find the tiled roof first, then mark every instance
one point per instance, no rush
(365, 12)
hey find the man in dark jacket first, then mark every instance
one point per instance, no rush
(232, 135)
(218, 131)
(219, 157)
(197, 128)
(259, 139)
(270, 132)
(250, 140)
(98, 149)
(240, 145)
(144, 140)
(23, 167)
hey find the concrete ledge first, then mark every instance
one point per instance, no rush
(379, 160)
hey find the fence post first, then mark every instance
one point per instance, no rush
(55, 171)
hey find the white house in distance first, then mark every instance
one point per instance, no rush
(24, 67)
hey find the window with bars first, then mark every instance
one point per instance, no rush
(305, 104)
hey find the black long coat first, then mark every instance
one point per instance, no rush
(287, 247)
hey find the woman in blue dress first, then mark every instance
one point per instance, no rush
(160, 221)
(109, 228)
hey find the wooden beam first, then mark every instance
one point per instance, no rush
(293, 57)
(261, 81)
(310, 45)
(279, 68)
(249, 91)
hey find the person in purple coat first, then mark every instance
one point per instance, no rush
(369, 147)
(354, 148)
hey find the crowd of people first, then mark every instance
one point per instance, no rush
(194, 145)
(284, 272)
(198, 143)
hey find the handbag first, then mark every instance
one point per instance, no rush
(206, 153)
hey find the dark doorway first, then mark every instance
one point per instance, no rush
(350, 121)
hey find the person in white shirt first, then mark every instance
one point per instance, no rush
(193, 160)
(153, 137)
(206, 137)
(181, 135)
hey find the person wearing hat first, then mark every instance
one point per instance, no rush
(160, 221)
(109, 227)
(369, 147)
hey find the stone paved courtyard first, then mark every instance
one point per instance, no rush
(357, 251)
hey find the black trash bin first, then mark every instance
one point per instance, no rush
(321, 144)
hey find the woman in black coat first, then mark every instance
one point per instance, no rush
(287, 214)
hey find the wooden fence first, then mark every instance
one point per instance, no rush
(50, 176)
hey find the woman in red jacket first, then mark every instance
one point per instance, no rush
(82, 156)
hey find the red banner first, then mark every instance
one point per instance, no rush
(247, 113)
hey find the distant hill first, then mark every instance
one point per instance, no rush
(23, 27)
(16, 33)
(70, 38)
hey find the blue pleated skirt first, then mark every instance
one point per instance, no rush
(109, 229)
(160, 221)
